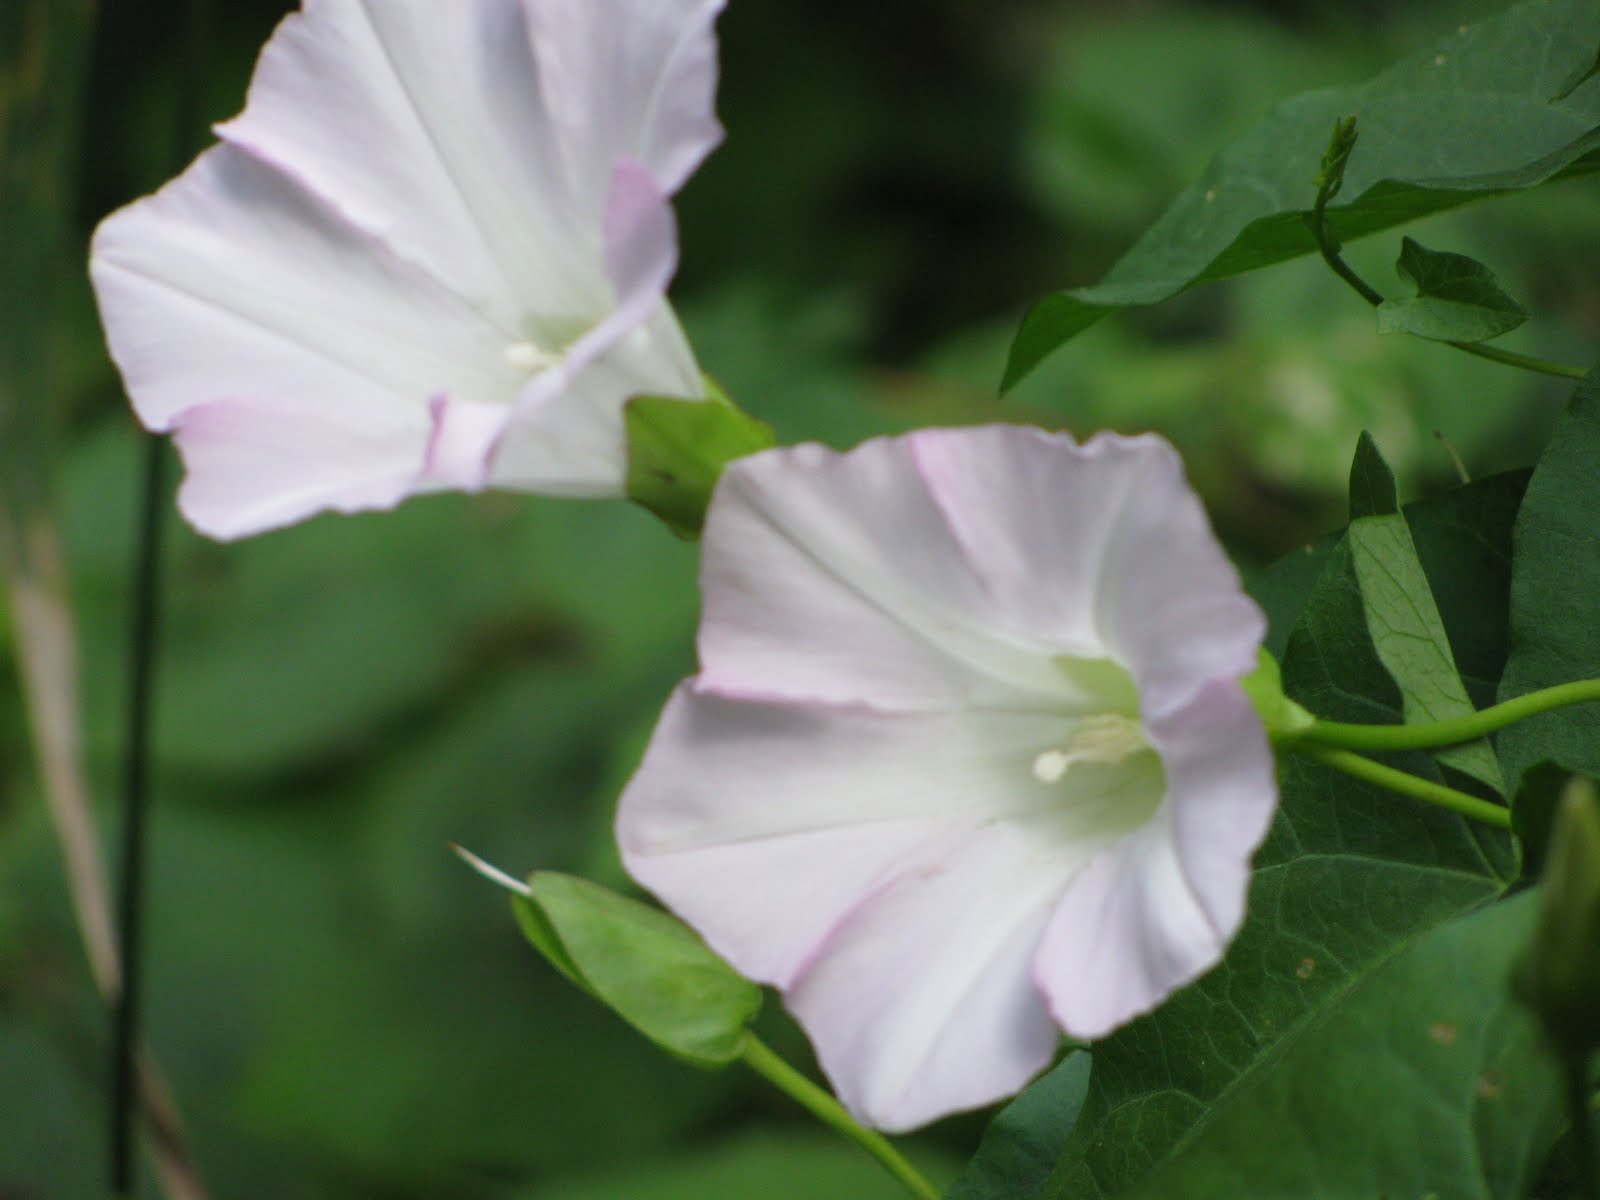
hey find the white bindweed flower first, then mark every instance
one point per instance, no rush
(432, 253)
(968, 761)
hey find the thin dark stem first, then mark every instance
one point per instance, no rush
(135, 809)
(1576, 1067)
(1328, 185)
(142, 656)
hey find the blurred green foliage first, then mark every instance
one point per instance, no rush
(346, 1011)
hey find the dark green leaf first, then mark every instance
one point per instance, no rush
(1579, 77)
(1426, 1079)
(1348, 880)
(647, 966)
(1372, 490)
(677, 450)
(1464, 540)
(1457, 300)
(1409, 636)
(1533, 811)
(1470, 117)
(1023, 1142)
(1555, 587)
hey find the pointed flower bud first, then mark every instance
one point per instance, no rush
(1559, 975)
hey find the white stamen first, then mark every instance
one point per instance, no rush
(1050, 766)
(1106, 738)
(525, 356)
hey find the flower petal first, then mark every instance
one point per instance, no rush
(565, 435)
(892, 871)
(634, 78)
(836, 577)
(762, 823)
(1102, 546)
(423, 123)
(1170, 606)
(255, 465)
(1156, 911)
(233, 283)
(920, 1003)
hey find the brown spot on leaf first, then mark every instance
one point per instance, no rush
(1444, 1032)
(1306, 968)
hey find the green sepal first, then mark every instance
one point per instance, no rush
(645, 965)
(1284, 719)
(1458, 299)
(677, 450)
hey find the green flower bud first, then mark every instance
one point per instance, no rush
(1558, 976)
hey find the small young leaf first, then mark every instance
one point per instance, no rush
(1330, 177)
(1372, 490)
(647, 966)
(1457, 300)
(677, 450)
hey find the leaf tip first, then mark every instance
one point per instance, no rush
(491, 872)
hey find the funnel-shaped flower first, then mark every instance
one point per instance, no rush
(968, 759)
(431, 253)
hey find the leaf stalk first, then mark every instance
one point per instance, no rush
(765, 1062)
(1428, 792)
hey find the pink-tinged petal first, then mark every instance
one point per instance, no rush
(1157, 911)
(634, 78)
(893, 872)
(1222, 789)
(256, 465)
(920, 1003)
(461, 442)
(423, 123)
(566, 436)
(233, 283)
(1102, 546)
(1170, 605)
(1033, 512)
(836, 577)
(762, 824)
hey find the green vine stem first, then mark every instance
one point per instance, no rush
(1434, 735)
(1329, 181)
(1406, 785)
(763, 1061)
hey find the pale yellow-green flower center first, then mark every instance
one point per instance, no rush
(1105, 738)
